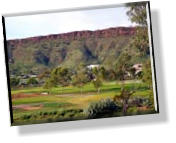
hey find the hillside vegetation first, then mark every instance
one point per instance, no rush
(35, 54)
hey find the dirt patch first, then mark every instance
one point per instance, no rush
(144, 108)
(26, 95)
(28, 107)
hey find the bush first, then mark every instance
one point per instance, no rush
(101, 108)
(138, 101)
(26, 117)
(32, 81)
(132, 111)
(54, 112)
(14, 81)
(45, 113)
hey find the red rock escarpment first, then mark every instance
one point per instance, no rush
(77, 35)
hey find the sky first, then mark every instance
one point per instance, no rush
(18, 27)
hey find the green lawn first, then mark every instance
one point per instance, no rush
(107, 86)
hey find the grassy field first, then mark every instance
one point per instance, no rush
(34, 105)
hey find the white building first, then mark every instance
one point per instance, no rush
(138, 68)
(93, 66)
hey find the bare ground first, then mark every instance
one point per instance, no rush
(28, 107)
(26, 95)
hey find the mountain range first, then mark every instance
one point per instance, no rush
(69, 49)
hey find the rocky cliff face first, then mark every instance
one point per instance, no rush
(78, 35)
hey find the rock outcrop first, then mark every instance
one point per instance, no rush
(78, 35)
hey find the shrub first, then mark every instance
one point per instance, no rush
(63, 113)
(132, 111)
(101, 108)
(69, 115)
(49, 120)
(45, 113)
(54, 112)
(26, 117)
(14, 81)
(40, 113)
(124, 98)
(138, 101)
(32, 81)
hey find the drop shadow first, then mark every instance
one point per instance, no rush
(119, 122)
(159, 64)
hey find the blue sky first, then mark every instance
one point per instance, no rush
(53, 23)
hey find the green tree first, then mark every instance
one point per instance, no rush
(14, 81)
(103, 72)
(147, 74)
(49, 84)
(123, 65)
(141, 41)
(147, 78)
(63, 77)
(45, 74)
(98, 74)
(97, 82)
(137, 14)
(59, 76)
(32, 81)
(80, 78)
(51, 81)
(124, 98)
(111, 75)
